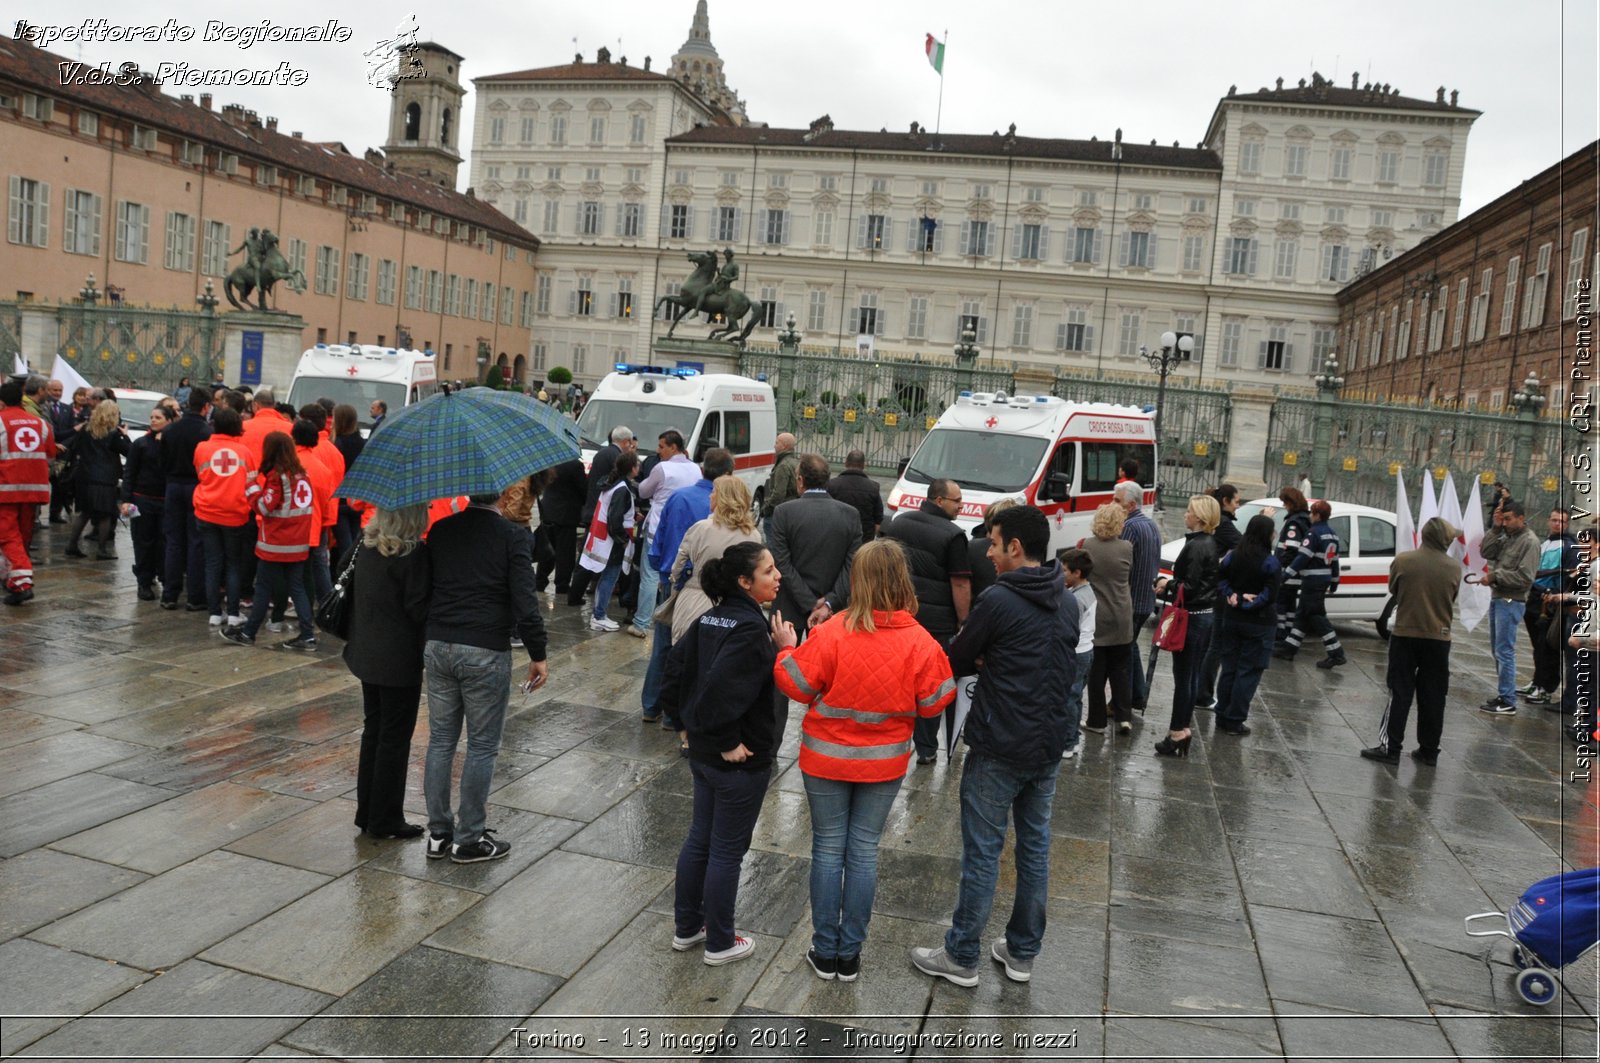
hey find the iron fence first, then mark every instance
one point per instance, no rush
(117, 346)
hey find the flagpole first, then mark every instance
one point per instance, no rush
(938, 118)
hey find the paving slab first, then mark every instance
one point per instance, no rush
(158, 924)
(605, 896)
(530, 835)
(58, 756)
(774, 894)
(18, 727)
(205, 759)
(1304, 877)
(484, 1001)
(41, 815)
(44, 986)
(1339, 962)
(337, 937)
(644, 828)
(43, 885)
(162, 837)
(1166, 976)
(578, 784)
(184, 1014)
(320, 837)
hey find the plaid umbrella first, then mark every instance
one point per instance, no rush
(468, 442)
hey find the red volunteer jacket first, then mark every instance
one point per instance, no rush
(226, 470)
(865, 691)
(26, 447)
(288, 511)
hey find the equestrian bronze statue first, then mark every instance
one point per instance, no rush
(710, 291)
(264, 266)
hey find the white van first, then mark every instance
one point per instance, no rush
(710, 409)
(356, 374)
(1037, 449)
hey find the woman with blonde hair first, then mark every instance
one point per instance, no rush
(731, 521)
(866, 676)
(390, 587)
(1111, 558)
(1194, 576)
(96, 454)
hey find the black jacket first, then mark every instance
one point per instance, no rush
(561, 504)
(1025, 628)
(718, 681)
(144, 474)
(1296, 527)
(389, 599)
(931, 541)
(177, 447)
(483, 583)
(604, 460)
(1196, 572)
(1227, 533)
(983, 573)
(349, 447)
(855, 487)
(99, 461)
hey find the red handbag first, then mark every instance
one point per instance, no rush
(1172, 629)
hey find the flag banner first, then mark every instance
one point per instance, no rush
(19, 364)
(935, 50)
(70, 380)
(1405, 532)
(1450, 510)
(1473, 601)
(1430, 505)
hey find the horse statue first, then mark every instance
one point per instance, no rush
(710, 291)
(688, 297)
(263, 268)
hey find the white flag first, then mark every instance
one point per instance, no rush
(1405, 532)
(19, 365)
(70, 380)
(1473, 602)
(1430, 505)
(1450, 510)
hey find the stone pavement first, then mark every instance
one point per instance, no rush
(179, 875)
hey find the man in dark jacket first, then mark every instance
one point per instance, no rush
(936, 553)
(1025, 628)
(560, 508)
(1558, 555)
(781, 485)
(177, 516)
(482, 593)
(854, 487)
(1424, 582)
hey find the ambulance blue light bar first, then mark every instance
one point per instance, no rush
(629, 368)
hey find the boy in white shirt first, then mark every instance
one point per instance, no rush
(1076, 565)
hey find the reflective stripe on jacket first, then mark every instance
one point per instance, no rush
(288, 514)
(26, 447)
(865, 690)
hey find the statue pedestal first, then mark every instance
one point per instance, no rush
(709, 356)
(261, 348)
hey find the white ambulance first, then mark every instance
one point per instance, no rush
(357, 374)
(709, 409)
(1036, 449)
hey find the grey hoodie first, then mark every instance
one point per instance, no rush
(1425, 582)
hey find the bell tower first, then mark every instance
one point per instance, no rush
(425, 115)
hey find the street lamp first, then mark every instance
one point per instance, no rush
(789, 335)
(966, 351)
(1529, 398)
(483, 359)
(89, 293)
(1174, 349)
(1329, 379)
(207, 299)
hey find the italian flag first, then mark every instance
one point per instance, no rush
(935, 50)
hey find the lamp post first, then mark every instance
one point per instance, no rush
(1174, 349)
(89, 293)
(1527, 401)
(789, 338)
(207, 301)
(966, 352)
(483, 359)
(1328, 383)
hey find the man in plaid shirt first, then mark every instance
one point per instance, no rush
(1142, 532)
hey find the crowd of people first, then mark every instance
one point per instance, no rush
(870, 624)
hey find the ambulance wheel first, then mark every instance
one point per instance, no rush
(755, 503)
(1537, 986)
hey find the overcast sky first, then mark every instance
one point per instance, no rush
(1056, 69)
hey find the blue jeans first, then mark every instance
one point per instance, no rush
(657, 667)
(990, 789)
(1505, 620)
(317, 565)
(1186, 667)
(224, 548)
(649, 582)
(471, 685)
(726, 802)
(603, 589)
(269, 574)
(1136, 680)
(1080, 680)
(1245, 650)
(846, 822)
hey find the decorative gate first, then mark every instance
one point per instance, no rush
(1370, 442)
(115, 346)
(11, 336)
(881, 408)
(1195, 427)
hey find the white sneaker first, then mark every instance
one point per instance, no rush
(603, 624)
(741, 947)
(1070, 754)
(216, 620)
(236, 621)
(274, 626)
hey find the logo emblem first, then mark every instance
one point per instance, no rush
(26, 438)
(302, 494)
(990, 423)
(225, 462)
(352, 371)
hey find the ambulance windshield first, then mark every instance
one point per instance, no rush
(647, 420)
(343, 390)
(978, 461)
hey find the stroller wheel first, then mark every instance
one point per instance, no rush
(1519, 958)
(1537, 986)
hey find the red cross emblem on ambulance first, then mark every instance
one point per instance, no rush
(990, 423)
(352, 370)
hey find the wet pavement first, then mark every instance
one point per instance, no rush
(180, 877)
